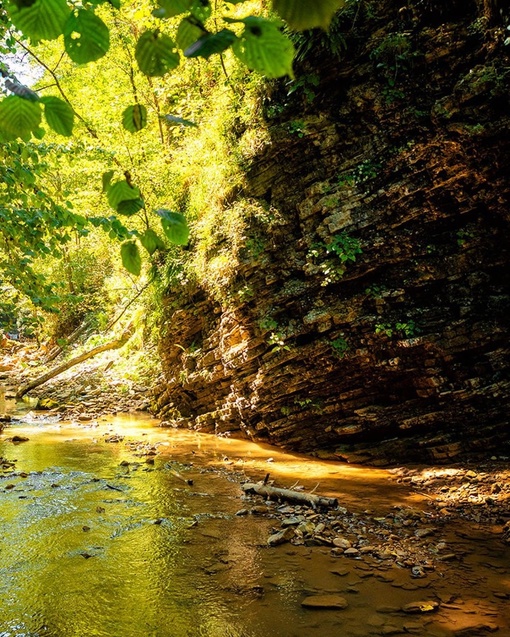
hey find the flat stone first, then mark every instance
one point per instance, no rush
(475, 630)
(281, 537)
(334, 602)
(342, 543)
(428, 606)
(293, 521)
(351, 552)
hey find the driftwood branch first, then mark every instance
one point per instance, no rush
(287, 494)
(116, 344)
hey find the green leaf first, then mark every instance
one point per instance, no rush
(174, 226)
(134, 118)
(151, 241)
(264, 48)
(201, 10)
(120, 193)
(86, 37)
(156, 54)
(22, 4)
(303, 14)
(173, 120)
(107, 179)
(130, 207)
(187, 33)
(59, 115)
(21, 90)
(173, 7)
(19, 117)
(130, 256)
(42, 20)
(211, 43)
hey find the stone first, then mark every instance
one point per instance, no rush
(476, 630)
(280, 537)
(294, 521)
(342, 543)
(428, 606)
(352, 552)
(333, 602)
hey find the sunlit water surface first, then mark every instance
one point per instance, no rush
(91, 548)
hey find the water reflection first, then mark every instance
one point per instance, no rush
(92, 546)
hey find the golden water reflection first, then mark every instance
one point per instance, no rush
(92, 547)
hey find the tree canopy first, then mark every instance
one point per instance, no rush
(135, 52)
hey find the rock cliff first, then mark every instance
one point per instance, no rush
(369, 315)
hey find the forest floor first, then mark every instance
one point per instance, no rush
(95, 387)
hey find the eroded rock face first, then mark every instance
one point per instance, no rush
(372, 318)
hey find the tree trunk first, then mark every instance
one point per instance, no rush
(118, 343)
(292, 496)
(72, 338)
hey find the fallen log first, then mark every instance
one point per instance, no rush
(287, 494)
(116, 344)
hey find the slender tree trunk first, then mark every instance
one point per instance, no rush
(57, 350)
(116, 344)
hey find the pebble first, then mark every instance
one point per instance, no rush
(421, 607)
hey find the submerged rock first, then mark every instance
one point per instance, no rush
(334, 602)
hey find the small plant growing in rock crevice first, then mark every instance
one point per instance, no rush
(406, 329)
(339, 346)
(332, 258)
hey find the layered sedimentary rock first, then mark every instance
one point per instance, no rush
(370, 316)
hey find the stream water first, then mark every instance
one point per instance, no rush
(91, 546)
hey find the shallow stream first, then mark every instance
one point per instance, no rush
(97, 542)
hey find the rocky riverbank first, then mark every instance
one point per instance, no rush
(83, 392)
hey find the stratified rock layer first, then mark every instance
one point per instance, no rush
(400, 351)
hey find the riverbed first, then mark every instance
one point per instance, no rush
(119, 528)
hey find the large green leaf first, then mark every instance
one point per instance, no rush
(187, 33)
(303, 14)
(211, 43)
(42, 20)
(134, 118)
(151, 241)
(130, 207)
(19, 117)
(264, 48)
(21, 90)
(59, 115)
(201, 9)
(174, 226)
(170, 8)
(86, 37)
(131, 259)
(124, 198)
(156, 54)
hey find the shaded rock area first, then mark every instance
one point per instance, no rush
(368, 316)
